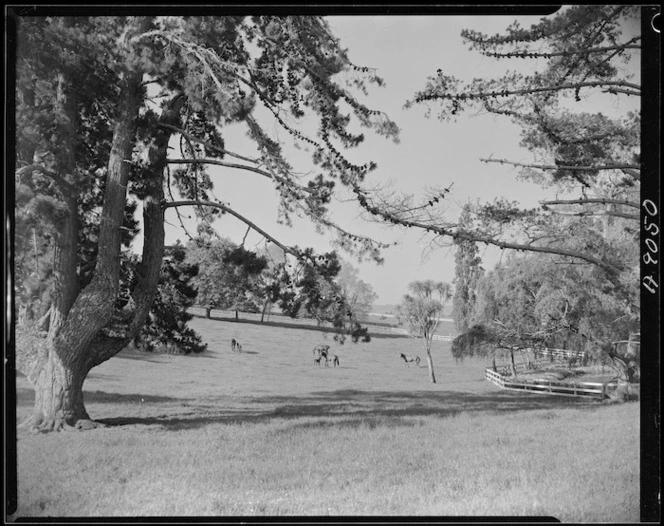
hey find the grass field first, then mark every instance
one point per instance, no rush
(266, 433)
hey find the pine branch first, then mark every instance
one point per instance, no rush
(457, 234)
(528, 91)
(562, 167)
(219, 162)
(615, 91)
(603, 201)
(533, 54)
(588, 213)
(208, 145)
(191, 202)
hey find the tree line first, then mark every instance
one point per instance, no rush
(219, 274)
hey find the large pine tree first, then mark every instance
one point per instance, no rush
(89, 131)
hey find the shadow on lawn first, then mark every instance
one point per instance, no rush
(347, 408)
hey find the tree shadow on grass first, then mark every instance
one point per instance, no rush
(154, 357)
(347, 408)
(26, 396)
(295, 325)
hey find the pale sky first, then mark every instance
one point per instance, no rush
(404, 50)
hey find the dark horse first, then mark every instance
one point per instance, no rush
(334, 358)
(409, 359)
(236, 345)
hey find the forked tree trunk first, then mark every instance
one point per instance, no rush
(62, 361)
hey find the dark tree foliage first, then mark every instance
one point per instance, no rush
(166, 328)
(311, 290)
(468, 270)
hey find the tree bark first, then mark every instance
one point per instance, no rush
(65, 277)
(63, 360)
(264, 309)
(58, 394)
(432, 375)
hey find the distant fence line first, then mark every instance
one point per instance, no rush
(437, 337)
(561, 353)
(585, 389)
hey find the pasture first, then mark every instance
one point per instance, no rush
(266, 432)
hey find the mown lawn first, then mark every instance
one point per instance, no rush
(268, 433)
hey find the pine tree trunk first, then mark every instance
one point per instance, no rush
(61, 363)
(59, 396)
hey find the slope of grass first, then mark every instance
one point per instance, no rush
(266, 432)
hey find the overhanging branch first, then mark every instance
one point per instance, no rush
(608, 85)
(562, 167)
(479, 238)
(207, 144)
(601, 201)
(191, 202)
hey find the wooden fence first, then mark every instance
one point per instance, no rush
(587, 389)
(561, 353)
(437, 337)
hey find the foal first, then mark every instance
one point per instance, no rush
(408, 359)
(334, 358)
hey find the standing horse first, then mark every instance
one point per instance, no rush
(334, 358)
(409, 359)
(321, 350)
(233, 344)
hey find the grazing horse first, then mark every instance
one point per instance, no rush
(409, 359)
(321, 350)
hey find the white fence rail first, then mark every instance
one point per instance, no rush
(586, 389)
(437, 337)
(561, 353)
